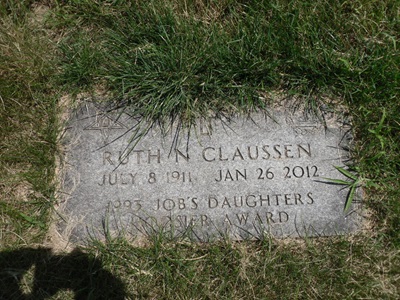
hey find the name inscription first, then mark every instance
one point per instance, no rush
(261, 176)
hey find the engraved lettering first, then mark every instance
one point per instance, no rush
(128, 204)
(287, 199)
(283, 217)
(168, 204)
(204, 220)
(138, 204)
(204, 154)
(288, 150)
(251, 156)
(212, 202)
(227, 175)
(123, 181)
(107, 158)
(315, 171)
(267, 154)
(103, 181)
(138, 157)
(262, 200)
(132, 177)
(300, 148)
(236, 201)
(253, 204)
(310, 199)
(242, 218)
(192, 222)
(157, 156)
(285, 151)
(220, 176)
(152, 178)
(277, 199)
(253, 200)
(297, 199)
(182, 221)
(276, 148)
(194, 202)
(237, 154)
(269, 217)
(220, 155)
(225, 203)
(180, 154)
(227, 220)
(268, 173)
(181, 203)
(287, 173)
(240, 174)
(110, 177)
(123, 159)
(243, 172)
(298, 172)
(118, 178)
(175, 176)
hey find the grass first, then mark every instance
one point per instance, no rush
(28, 129)
(229, 54)
(185, 59)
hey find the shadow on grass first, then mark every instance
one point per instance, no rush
(29, 273)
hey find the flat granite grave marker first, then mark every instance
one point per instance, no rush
(237, 177)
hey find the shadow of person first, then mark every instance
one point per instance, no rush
(76, 272)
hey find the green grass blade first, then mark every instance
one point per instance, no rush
(31, 220)
(350, 198)
(346, 173)
(338, 181)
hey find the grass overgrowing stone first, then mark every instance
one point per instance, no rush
(174, 59)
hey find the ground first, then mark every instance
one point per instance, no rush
(179, 60)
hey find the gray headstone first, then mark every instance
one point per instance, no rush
(227, 177)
